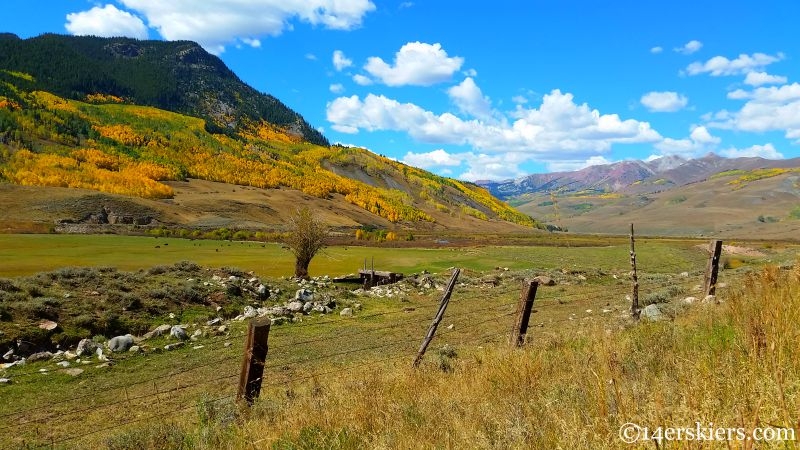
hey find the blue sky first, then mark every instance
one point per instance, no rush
(493, 90)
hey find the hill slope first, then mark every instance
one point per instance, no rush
(176, 76)
(145, 152)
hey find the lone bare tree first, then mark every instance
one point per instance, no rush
(306, 237)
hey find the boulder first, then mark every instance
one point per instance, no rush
(346, 312)
(41, 356)
(249, 312)
(158, 331)
(86, 347)
(120, 343)
(307, 307)
(544, 280)
(295, 306)
(73, 372)
(178, 333)
(651, 312)
(262, 291)
(304, 295)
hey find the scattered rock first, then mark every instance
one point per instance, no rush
(198, 333)
(120, 343)
(307, 307)
(222, 329)
(277, 320)
(9, 355)
(214, 322)
(346, 312)
(544, 280)
(86, 347)
(173, 346)
(41, 356)
(689, 300)
(158, 331)
(73, 372)
(710, 299)
(304, 295)
(178, 333)
(295, 306)
(135, 349)
(262, 291)
(651, 312)
(451, 326)
(63, 364)
(249, 312)
(48, 325)
(227, 344)
(5, 380)
(685, 274)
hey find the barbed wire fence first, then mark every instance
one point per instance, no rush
(304, 352)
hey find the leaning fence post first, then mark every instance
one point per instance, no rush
(439, 315)
(524, 309)
(255, 354)
(710, 284)
(635, 312)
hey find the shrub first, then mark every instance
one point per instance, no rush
(8, 285)
(157, 436)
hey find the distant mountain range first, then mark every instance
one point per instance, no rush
(631, 177)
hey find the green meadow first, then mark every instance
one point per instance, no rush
(28, 254)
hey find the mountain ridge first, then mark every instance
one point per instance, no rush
(631, 176)
(178, 76)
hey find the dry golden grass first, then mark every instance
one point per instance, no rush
(733, 365)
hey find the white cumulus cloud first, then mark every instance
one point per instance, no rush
(656, 50)
(341, 62)
(774, 108)
(107, 21)
(572, 165)
(217, 23)
(433, 159)
(336, 88)
(699, 141)
(690, 47)
(720, 65)
(767, 151)
(470, 100)
(362, 80)
(416, 63)
(558, 128)
(761, 78)
(664, 101)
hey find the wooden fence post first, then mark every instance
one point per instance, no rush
(635, 311)
(255, 354)
(710, 284)
(439, 315)
(524, 309)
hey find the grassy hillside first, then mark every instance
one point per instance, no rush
(46, 140)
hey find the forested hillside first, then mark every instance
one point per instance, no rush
(175, 76)
(105, 144)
